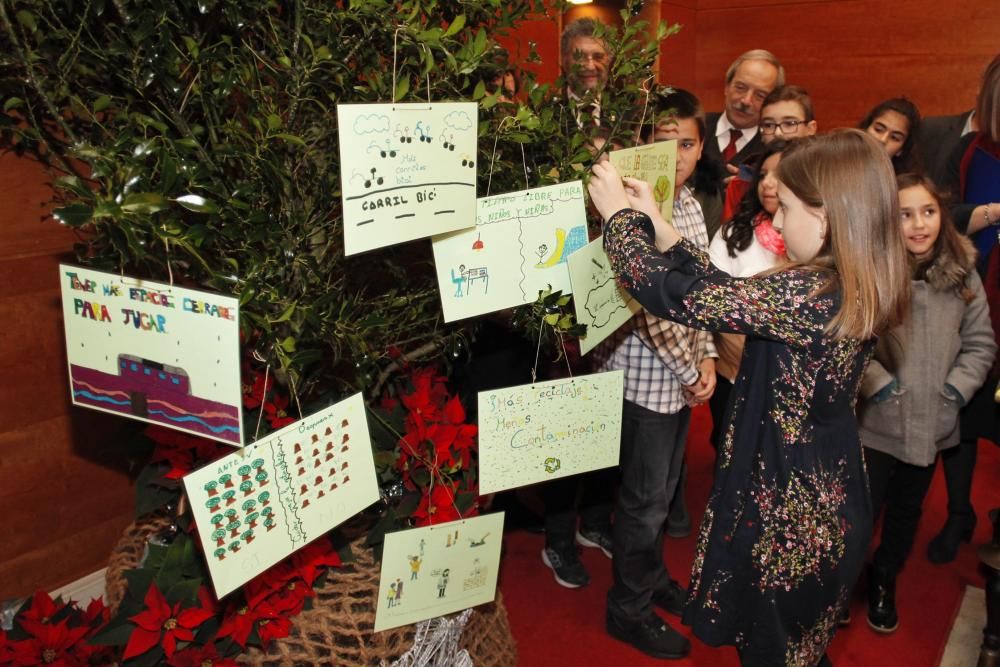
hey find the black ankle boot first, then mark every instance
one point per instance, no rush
(882, 615)
(944, 547)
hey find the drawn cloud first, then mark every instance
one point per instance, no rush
(371, 123)
(458, 120)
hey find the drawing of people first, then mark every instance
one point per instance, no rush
(423, 542)
(542, 251)
(399, 590)
(415, 562)
(458, 280)
(391, 595)
(442, 583)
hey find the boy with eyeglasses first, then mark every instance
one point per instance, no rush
(787, 113)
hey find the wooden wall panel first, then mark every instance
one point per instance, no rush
(543, 32)
(678, 53)
(851, 54)
(65, 490)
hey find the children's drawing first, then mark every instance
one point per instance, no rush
(407, 171)
(532, 433)
(450, 573)
(153, 352)
(654, 163)
(262, 503)
(520, 245)
(597, 299)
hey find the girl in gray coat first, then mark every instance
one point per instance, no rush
(922, 373)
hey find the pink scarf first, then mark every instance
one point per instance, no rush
(767, 235)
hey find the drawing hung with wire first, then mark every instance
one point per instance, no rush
(443, 568)
(537, 432)
(654, 163)
(408, 171)
(519, 246)
(598, 300)
(266, 501)
(154, 352)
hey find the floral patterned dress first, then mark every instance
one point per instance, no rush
(788, 521)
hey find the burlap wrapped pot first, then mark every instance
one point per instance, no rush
(337, 630)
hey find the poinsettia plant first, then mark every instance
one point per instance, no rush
(49, 631)
(426, 452)
(170, 615)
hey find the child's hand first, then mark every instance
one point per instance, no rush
(606, 190)
(640, 196)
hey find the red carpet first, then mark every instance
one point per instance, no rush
(558, 626)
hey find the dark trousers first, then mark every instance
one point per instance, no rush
(589, 494)
(901, 487)
(959, 462)
(651, 454)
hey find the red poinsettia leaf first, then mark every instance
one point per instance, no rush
(274, 629)
(149, 620)
(96, 611)
(140, 642)
(207, 600)
(43, 608)
(193, 617)
(453, 411)
(169, 643)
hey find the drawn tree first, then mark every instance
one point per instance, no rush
(259, 465)
(229, 496)
(246, 487)
(226, 480)
(261, 478)
(220, 537)
(213, 503)
(217, 520)
(267, 513)
(247, 536)
(234, 546)
(251, 519)
(249, 505)
(244, 472)
(265, 498)
(220, 553)
(234, 528)
(210, 487)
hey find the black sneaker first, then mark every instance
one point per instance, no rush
(671, 600)
(566, 565)
(652, 636)
(597, 539)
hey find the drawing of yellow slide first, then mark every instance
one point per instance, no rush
(556, 255)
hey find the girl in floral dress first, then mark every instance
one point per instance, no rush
(789, 517)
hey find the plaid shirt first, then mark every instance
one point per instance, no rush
(658, 356)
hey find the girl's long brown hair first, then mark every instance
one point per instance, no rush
(849, 176)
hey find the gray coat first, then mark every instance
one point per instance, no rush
(945, 341)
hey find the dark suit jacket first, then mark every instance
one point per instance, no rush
(713, 171)
(939, 135)
(712, 151)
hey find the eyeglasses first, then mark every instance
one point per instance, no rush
(597, 57)
(787, 126)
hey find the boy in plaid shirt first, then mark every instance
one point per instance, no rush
(668, 368)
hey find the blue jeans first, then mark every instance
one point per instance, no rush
(652, 452)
